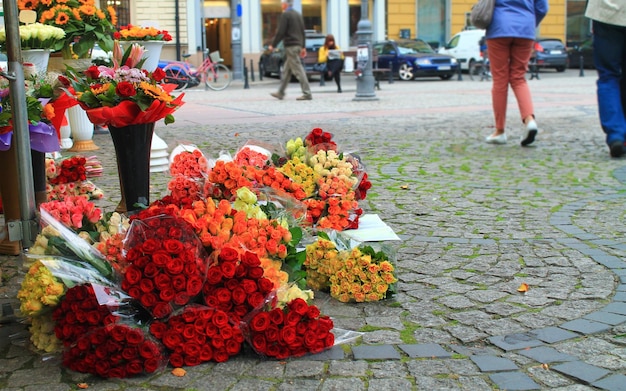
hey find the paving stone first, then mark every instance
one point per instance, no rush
(546, 355)
(585, 326)
(303, 368)
(299, 385)
(334, 353)
(616, 307)
(611, 383)
(581, 370)
(514, 381)
(515, 341)
(553, 334)
(389, 384)
(493, 363)
(619, 296)
(428, 350)
(379, 352)
(606, 317)
(348, 368)
(342, 384)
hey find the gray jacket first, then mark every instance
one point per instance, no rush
(607, 11)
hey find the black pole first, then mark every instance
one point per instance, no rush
(390, 72)
(460, 73)
(177, 21)
(582, 66)
(251, 70)
(261, 70)
(245, 75)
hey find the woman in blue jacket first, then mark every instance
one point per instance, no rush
(510, 40)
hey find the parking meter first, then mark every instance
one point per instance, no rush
(362, 56)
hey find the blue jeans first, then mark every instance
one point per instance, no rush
(609, 57)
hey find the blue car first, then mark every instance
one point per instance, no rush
(412, 58)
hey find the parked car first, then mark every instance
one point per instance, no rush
(464, 47)
(272, 62)
(411, 58)
(550, 53)
(586, 49)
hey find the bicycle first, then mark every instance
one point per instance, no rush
(211, 72)
(479, 68)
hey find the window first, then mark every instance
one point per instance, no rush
(122, 10)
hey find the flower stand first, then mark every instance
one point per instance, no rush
(132, 150)
(82, 130)
(152, 53)
(38, 57)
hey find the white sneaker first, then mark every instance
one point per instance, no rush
(531, 133)
(499, 139)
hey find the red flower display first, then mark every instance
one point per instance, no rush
(166, 264)
(292, 331)
(198, 334)
(115, 351)
(70, 170)
(78, 313)
(235, 284)
(318, 139)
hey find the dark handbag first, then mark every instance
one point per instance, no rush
(482, 12)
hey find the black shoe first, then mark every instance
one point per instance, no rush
(617, 149)
(339, 90)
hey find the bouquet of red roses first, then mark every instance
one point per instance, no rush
(235, 284)
(198, 334)
(290, 331)
(117, 350)
(166, 263)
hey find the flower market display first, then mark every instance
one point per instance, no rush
(37, 36)
(226, 262)
(84, 24)
(69, 177)
(138, 33)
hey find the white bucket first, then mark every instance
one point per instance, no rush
(348, 64)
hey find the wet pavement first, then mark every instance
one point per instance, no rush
(476, 221)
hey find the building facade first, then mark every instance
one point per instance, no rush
(199, 24)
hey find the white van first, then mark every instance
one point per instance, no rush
(464, 46)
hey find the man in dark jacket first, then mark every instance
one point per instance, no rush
(291, 32)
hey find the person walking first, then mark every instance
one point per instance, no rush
(330, 54)
(510, 39)
(609, 57)
(291, 31)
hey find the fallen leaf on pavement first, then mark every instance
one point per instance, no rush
(523, 287)
(179, 372)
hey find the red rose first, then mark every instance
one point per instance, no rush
(265, 285)
(259, 343)
(157, 329)
(288, 334)
(93, 73)
(162, 281)
(310, 339)
(223, 295)
(134, 367)
(273, 351)
(161, 258)
(148, 299)
(241, 271)
(249, 286)
(146, 285)
(232, 347)
(228, 269)
(150, 246)
(176, 359)
(173, 246)
(313, 312)
(255, 299)
(255, 272)
(260, 321)
(206, 353)
(192, 360)
(272, 333)
(211, 330)
(298, 305)
(194, 285)
(250, 259)
(132, 275)
(161, 310)
(158, 74)
(150, 270)
(172, 339)
(134, 336)
(125, 89)
(175, 232)
(239, 296)
(151, 365)
(218, 343)
(214, 275)
(175, 266)
(292, 318)
(277, 316)
(228, 254)
(181, 298)
(220, 319)
(179, 283)
(220, 355)
(191, 349)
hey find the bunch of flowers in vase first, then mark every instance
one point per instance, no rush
(138, 33)
(84, 23)
(37, 36)
(123, 94)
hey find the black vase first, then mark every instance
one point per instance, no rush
(132, 148)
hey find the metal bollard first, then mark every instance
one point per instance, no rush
(390, 72)
(251, 71)
(245, 76)
(582, 66)
(459, 76)
(261, 70)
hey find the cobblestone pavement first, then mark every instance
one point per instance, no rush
(476, 221)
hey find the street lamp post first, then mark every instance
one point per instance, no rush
(365, 79)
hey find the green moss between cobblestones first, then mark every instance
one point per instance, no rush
(406, 335)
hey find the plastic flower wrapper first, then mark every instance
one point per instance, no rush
(236, 283)
(294, 330)
(359, 170)
(166, 263)
(197, 334)
(255, 153)
(40, 291)
(69, 244)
